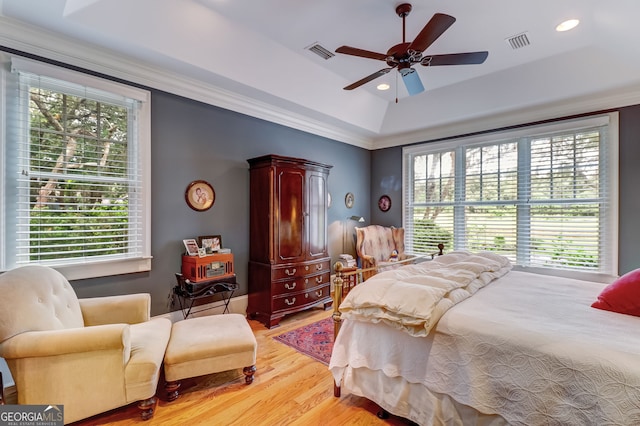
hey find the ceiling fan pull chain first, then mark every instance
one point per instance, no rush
(396, 87)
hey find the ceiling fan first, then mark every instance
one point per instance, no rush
(406, 54)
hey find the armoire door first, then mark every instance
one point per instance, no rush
(317, 214)
(290, 214)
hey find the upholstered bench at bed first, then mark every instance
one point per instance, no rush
(206, 345)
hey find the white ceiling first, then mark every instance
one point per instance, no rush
(254, 52)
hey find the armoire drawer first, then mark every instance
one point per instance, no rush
(294, 285)
(308, 297)
(301, 270)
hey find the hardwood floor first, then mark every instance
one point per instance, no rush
(289, 389)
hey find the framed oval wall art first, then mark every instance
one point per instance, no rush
(349, 199)
(200, 195)
(384, 203)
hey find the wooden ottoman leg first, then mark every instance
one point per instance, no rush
(172, 390)
(147, 407)
(248, 373)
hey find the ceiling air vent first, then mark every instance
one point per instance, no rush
(518, 41)
(320, 51)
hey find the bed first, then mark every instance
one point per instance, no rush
(511, 348)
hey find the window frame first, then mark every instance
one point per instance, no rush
(85, 267)
(609, 234)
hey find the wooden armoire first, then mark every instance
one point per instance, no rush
(289, 263)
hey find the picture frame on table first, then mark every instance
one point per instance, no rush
(191, 246)
(211, 243)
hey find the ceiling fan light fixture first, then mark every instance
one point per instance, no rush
(411, 81)
(383, 86)
(567, 25)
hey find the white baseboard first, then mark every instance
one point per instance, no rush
(237, 305)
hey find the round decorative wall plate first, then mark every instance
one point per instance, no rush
(200, 195)
(348, 200)
(384, 203)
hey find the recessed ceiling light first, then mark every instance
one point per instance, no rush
(567, 25)
(383, 86)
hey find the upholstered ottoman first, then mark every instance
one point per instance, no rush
(206, 345)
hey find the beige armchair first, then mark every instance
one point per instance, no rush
(375, 245)
(90, 355)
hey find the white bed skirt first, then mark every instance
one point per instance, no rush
(413, 401)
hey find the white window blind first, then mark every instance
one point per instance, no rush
(77, 172)
(545, 197)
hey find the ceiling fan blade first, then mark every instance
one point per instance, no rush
(412, 81)
(469, 58)
(347, 50)
(438, 24)
(368, 78)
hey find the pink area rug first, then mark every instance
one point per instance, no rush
(314, 340)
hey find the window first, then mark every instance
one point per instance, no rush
(76, 171)
(543, 196)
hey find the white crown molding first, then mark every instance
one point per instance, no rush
(610, 99)
(36, 41)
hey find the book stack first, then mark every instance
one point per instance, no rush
(347, 261)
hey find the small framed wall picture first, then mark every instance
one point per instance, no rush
(211, 243)
(191, 246)
(349, 199)
(384, 203)
(200, 195)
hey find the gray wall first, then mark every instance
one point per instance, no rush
(629, 232)
(386, 179)
(192, 140)
(387, 166)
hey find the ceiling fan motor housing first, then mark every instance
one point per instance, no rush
(398, 54)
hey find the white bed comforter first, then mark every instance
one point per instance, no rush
(527, 347)
(414, 297)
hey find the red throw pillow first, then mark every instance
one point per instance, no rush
(622, 295)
